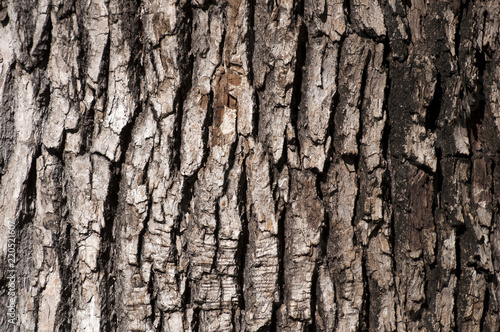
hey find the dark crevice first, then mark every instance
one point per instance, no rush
(299, 7)
(186, 296)
(207, 125)
(476, 265)
(29, 196)
(270, 5)
(486, 309)
(250, 39)
(132, 30)
(458, 36)
(434, 108)
(364, 315)
(152, 298)
(187, 64)
(314, 300)
(407, 3)
(105, 261)
(386, 187)
(475, 119)
(145, 222)
(65, 10)
(111, 206)
(337, 298)
(244, 236)
(250, 44)
(234, 320)
(331, 120)
(361, 105)
(323, 16)
(347, 10)
(412, 160)
(281, 255)
(230, 163)
(126, 137)
(186, 61)
(213, 267)
(273, 325)
(42, 52)
(160, 327)
(376, 228)
(297, 87)
(187, 195)
(107, 245)
(63, 317)
(196, 319)
(256, 116)
(319, 180)
(281, 164)
(184, 205)
(43, 95)
(6, 19)
(334, 106)
(351, 159)
(324, 238)
(392, 241)
(438, 178)
(385, 107)
(222, 43)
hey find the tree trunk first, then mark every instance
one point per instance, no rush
(250, 165)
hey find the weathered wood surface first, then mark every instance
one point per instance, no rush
(318, 165)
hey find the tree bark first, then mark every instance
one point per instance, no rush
(250, 165)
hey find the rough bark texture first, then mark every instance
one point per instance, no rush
(238, 165)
